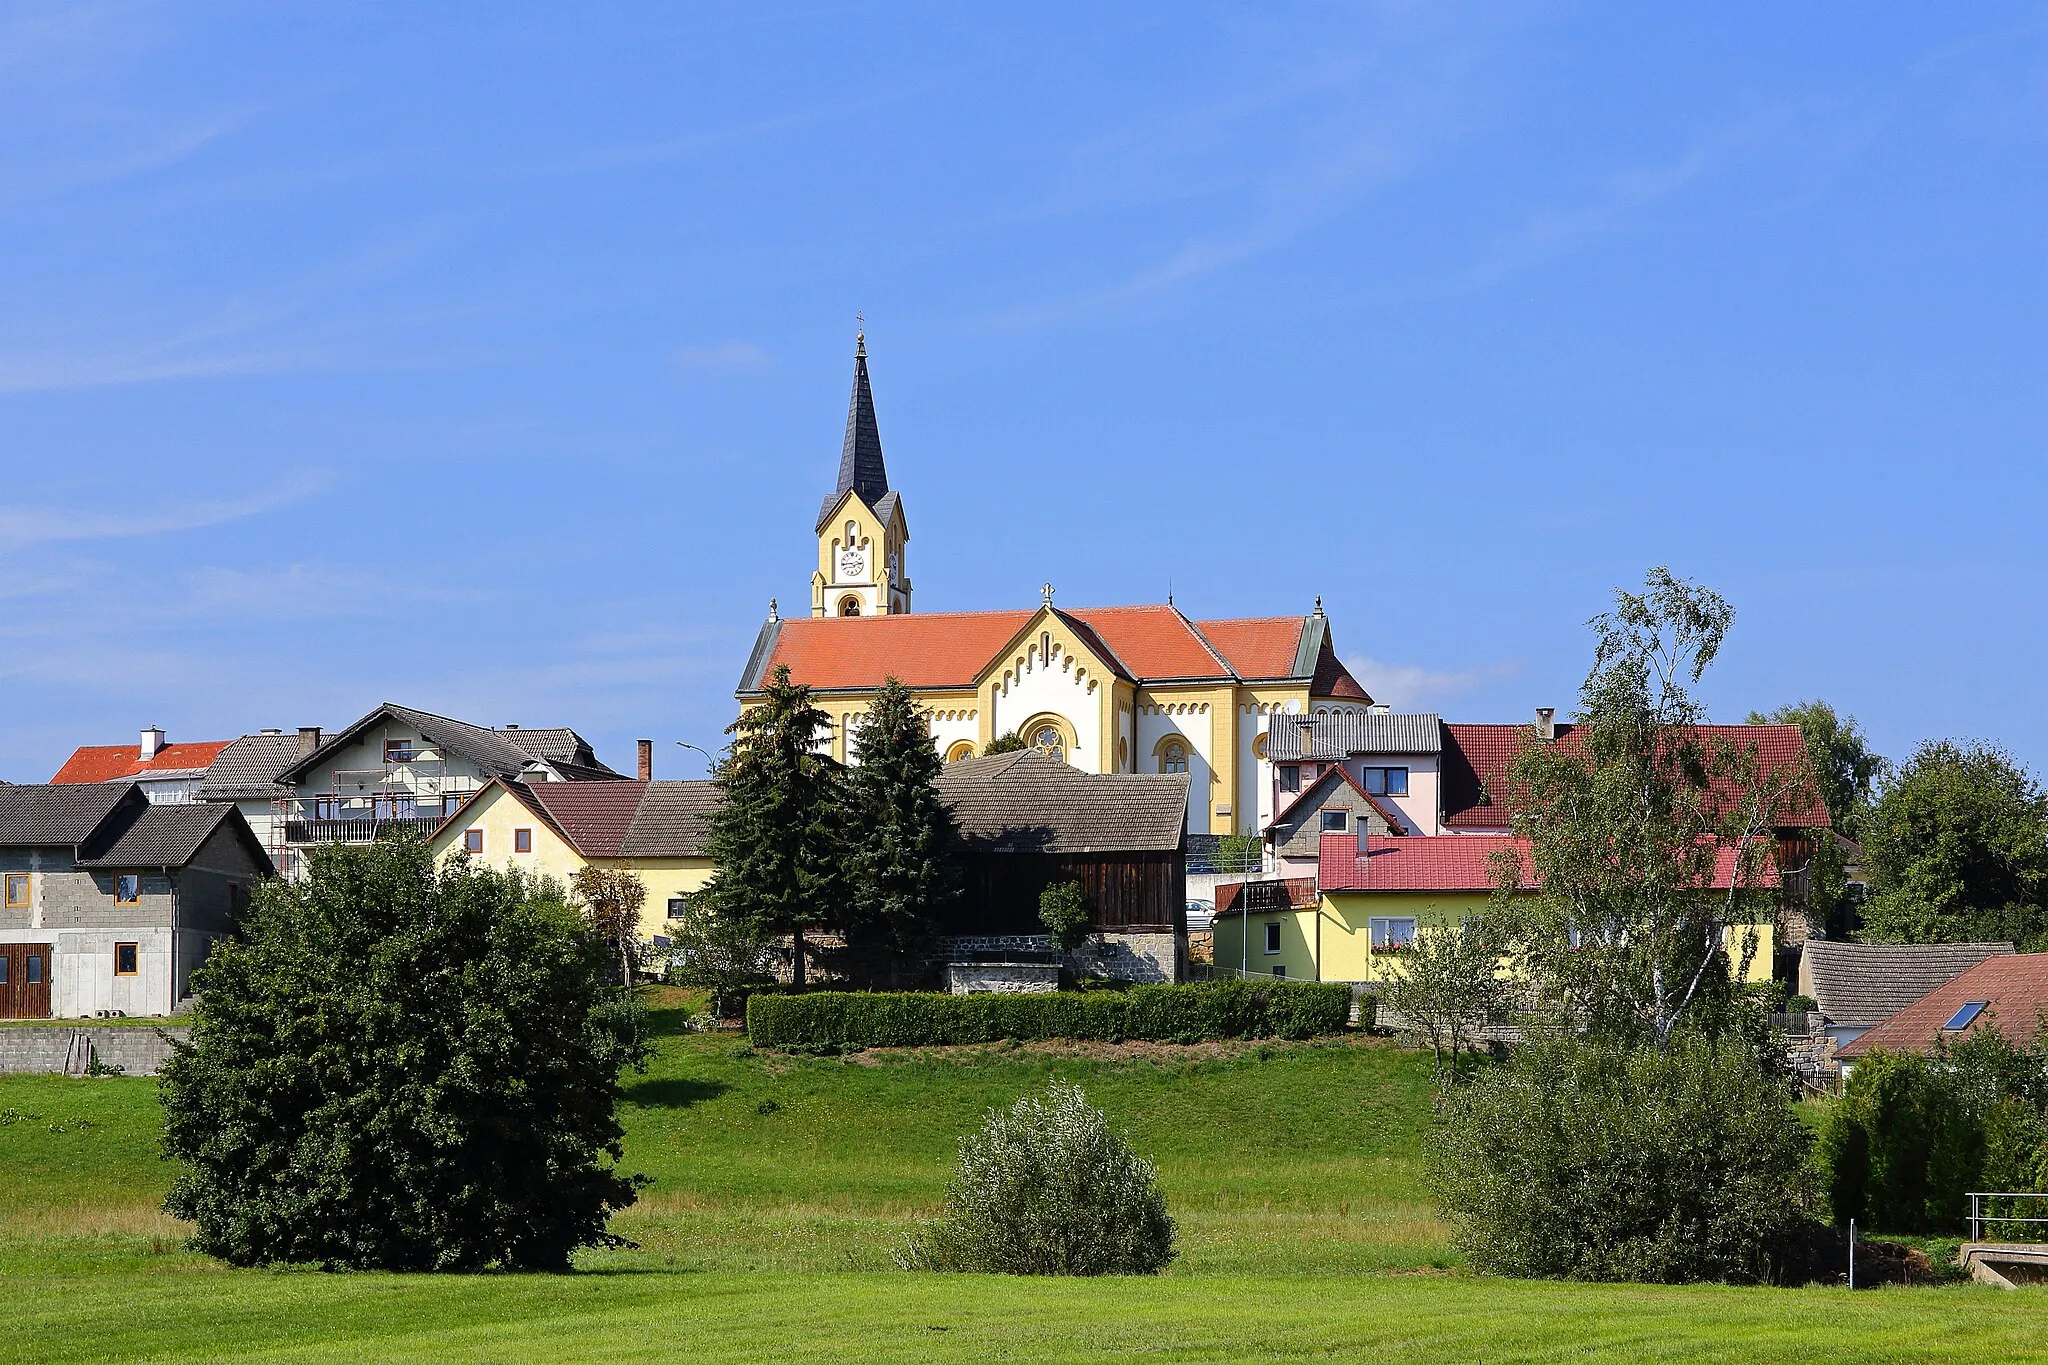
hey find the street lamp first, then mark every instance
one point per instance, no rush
(710, 763)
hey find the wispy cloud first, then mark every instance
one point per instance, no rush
(21, 527)
(1406, 687)
(726, 355)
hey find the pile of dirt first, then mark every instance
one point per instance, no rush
(1819, 1254)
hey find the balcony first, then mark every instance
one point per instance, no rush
(366, 830)
(364, 819)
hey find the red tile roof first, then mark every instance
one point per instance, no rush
(1448, 862)
(1256, 646)
(1476, 763)
(593, 816)
(107, 762)
(951, 649)
(2015, 986)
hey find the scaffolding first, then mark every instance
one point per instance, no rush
(411, 791)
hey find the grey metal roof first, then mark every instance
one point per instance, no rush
(248, 768)
(861, 469)
(672, 822)
(60, 814)
(1344, 735)
(1860, 985)
(1027, 802)
(168, 836)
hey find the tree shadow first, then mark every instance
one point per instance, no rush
(672, 1092)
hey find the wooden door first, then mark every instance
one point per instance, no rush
(25, 980)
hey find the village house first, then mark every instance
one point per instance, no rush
(1857, 986)
(2006, 991)
(109, 902)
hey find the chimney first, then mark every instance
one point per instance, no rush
(152, 742)
(309, 738)
(646, 760)
(1546, 722)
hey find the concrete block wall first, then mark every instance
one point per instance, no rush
(50, 1051)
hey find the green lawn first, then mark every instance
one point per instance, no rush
(781, 1184)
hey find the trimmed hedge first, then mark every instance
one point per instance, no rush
(1163, 1014)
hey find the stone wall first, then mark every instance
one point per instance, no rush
(1120, 956)
(1007, 978)
(46, 1050)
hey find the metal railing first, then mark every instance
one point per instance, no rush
(1978, 1218)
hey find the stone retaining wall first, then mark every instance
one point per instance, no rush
(54, 1051)
(1002, 978)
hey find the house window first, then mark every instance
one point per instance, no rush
(1273, 937)
(522, 841)
(1279, 969)
(1386, 781)
(127, 888)
(34, 965)
(1290, 777)
(1335, 821)
(124, 959)
(473, 841)
(1173, 758)
(678, 906)
(17, 890)
(1392, 935)
(398, 751)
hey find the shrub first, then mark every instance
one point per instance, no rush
(1046, 1188)
(1602, 1162)
(1221, 1009)
(403, 1069)
(1064, 914)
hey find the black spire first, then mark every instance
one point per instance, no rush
(860, 460)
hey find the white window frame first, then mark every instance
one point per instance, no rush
(1324, 817)
(1382, 931)
(1272, 936)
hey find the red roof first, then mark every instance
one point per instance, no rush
(1449, 862)
(2014, 989)
(1476, 764)
(593, 816)
(952, 649)
(107, 762)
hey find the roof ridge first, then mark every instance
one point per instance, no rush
(1229, 669)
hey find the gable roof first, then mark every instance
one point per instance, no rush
(2014, 988)
(62, 814)
(1347, 734)
(623, 819)
(1027, 802)
(1476, 762)
(951, 650)
(1331, 778)
(112, 762)
(1860, 985)
(502, 753)
(171, 836)
(1451, 862)
(673, 819)
(248, 768)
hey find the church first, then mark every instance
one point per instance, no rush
(1131, 689)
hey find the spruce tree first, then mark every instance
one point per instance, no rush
(902, 857)
(777, 838)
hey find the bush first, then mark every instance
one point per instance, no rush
(1600, 1162)
(1167, 1014)
(403, 1069)
(1047, 1189)
(1064, 914)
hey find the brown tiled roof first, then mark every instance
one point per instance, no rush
(1028, 803)
(672, 822)
(1860, 985)
(60, 815)
(592, 816)
(2013, 987)
(624, 819)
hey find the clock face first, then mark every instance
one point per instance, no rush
(853, 566)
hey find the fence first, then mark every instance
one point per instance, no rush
(1978, 1218)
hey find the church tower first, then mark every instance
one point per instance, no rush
(861, 531)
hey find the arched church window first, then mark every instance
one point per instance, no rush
(849, 606)
(852, 534)
(961, 749)
(1173, 757)
(1048, 740)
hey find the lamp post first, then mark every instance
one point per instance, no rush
(710, 763)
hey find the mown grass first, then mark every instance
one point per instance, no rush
(782, 1184)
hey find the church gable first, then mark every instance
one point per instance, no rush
(1051, 687)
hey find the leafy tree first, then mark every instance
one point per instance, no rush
(1239, 853)
(723, 954)
(1064, 913)
(777, 836)
(1446, 985)
(1047, 1189)
(903, 860)
(1843, 765)
(1588, 1159)
(401, 1068)
(1626, 827)
(1956, 846)
(1010, 743)
(613, 900)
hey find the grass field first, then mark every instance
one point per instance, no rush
(781, 1185)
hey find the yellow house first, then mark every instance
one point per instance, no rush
(1375, 895)
(654, 830)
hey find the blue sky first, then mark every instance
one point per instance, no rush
(493, 358)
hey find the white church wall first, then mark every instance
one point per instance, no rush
(951, 724)
(1194, 723)
(1056, 686)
